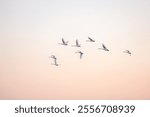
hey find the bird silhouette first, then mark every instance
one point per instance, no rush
(64, 42)
(77, 44)
(128, 52)
(90, 40)
(104, 48)
(55, 60)
(81, 54)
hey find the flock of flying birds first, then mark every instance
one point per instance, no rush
(65, 43)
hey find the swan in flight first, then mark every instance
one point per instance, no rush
(77, 44)
(81, 54)
(104, 48)
(55, 60)
(128, 52)
(64, 42)
(90, 40)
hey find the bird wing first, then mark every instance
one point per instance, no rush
(127, 51)
(104, 46)
(63, 40)
(89, 38)
(77, 42)
(55, 60)
(81, 54)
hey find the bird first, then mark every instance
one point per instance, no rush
(104, 48)
(55, 60)
(81, 54)
(90, 40)
(64, 42)
(77, 44)
(128, 52)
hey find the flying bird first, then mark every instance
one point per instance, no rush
(128, 52)
(81, 54)
(77, 44)
(104, 48)
(64, 42)
(90, 40)
(55, 60)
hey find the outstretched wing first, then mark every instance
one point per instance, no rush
(81, 54)
(55, 60)
(129, 52)
(63, 40)
(126, 51)
(104, 46)
(77, 42)
(89, 38)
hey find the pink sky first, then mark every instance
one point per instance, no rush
(30, 33)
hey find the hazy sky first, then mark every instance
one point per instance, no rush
(30, 31)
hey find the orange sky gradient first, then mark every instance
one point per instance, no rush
(31, 30)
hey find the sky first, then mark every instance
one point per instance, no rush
(30, 31)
